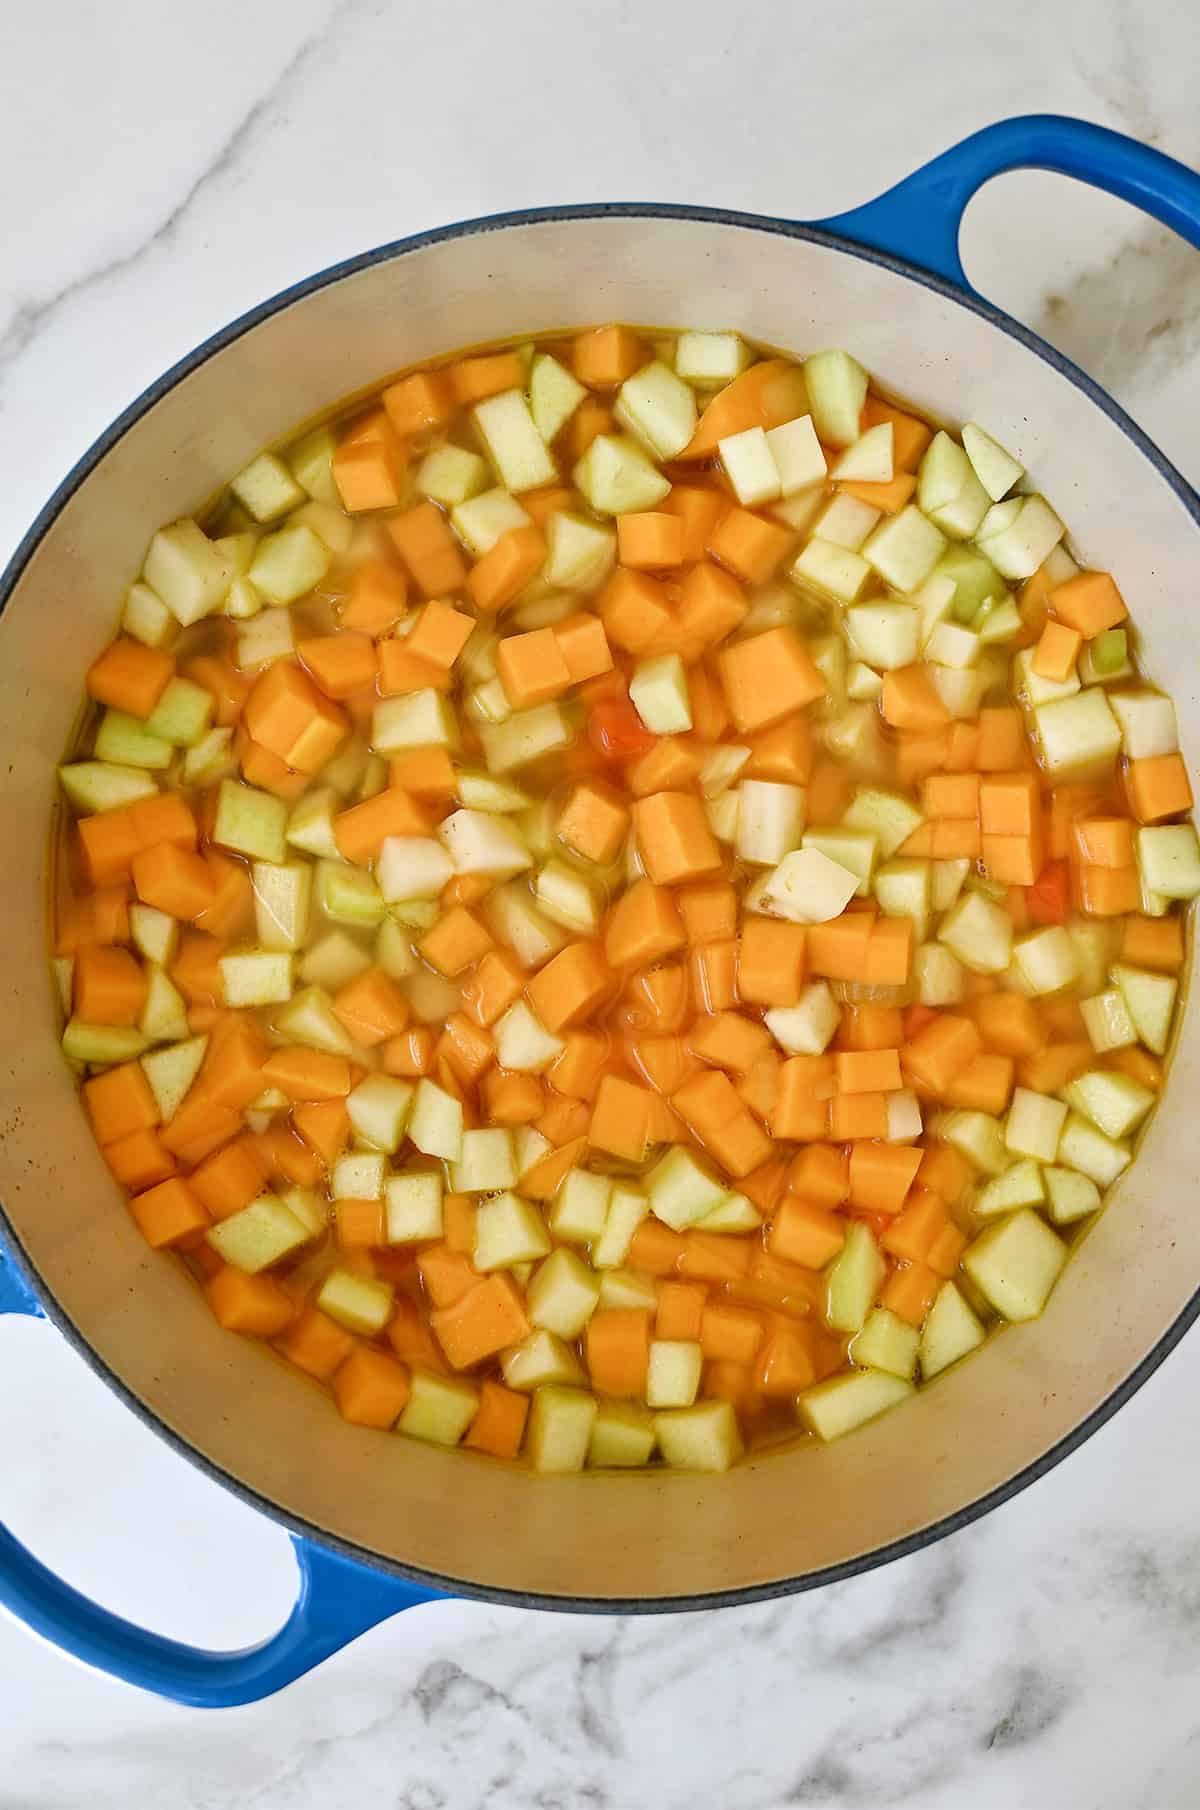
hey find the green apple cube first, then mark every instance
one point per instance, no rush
(770, 820)
(997, 622)
(1078, 735)
(481, 520)
(512, 442)
(886, 1342)
(616, 476)
(171, 1072)
(237, 550)
(480, 792)
(979, 933)
(1084, 1147)
(1149, 1001)
(563, 1294)
(623, 1437)
(123, 741)
(799, 458)
(904, 1118)
(266, 488)
(903, 889)
(885, 635)
(450, 475)
(182, 715)
(525, 737)
(952, 645)
(541, 1359)
(523, 1042)
(974, 581)
(359, 1175)
(479, 842)
(835, 571)
(733, 1214)
(1034, 1125)
(379, 1107)
(863, 682)
(487, 1162)
(1070, 1195)
(722, 814)
(980, 1138)
(508, 1230)
(942, 474)
(212, 759)
(995, 468)
(622, 1288)
(359, 1303)
(1018, 541)
(1107, 1021)
(349, 895)
(658, 690)
(186, 571)
(1047, 960)
(1105, 657)
(673, 1375)
(1015, 1263)
(422, 719)
(960, 517)
(250, 822)
(869, 459)
(332, 525)
(311, 1020)
(846, 522)
(853, 1280)
(1169, 860)
(704, 1437)
(439, 1408)
(946, 881)
(310, 461)
(256, 977)
(344, 773)
(1148, 726)
(885, 816)
(627, 1208)
(849, 1400)
(1115, 1103)
(904, 549)
(579, 1211)
(580, 553)
(332, 961)
(828, 655)
(808, 1027)
(146, 617)
(554, 395)
(560, 1428)
(413, 914)
(155, 935)
(289, 563)
(750, 467)
(98, 1045)
(412, 1207)
(949, 1332)
(939, 975)
(961, 692)
(259, 1235)
(1095, 941)
(282, 903)
(568, 897)
(1032, 689)
(659, 408)
(436, 1122)
(97, 785)
(853, 851)
(708, 359)
(513, 918)
(837, 389)
(1019, 1186)
(412, 867)
(681, 1192)
(164, 1015)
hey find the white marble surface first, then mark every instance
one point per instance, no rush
(162, 171)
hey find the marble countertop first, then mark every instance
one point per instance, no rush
(159, 178)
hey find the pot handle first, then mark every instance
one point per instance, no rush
(919, 219)
(337, 1600)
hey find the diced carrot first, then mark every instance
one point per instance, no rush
(650, 540)
(714, 976)
(837, 950)
(766, 395)
(910, 701)
(881, 1175)
(531, 668)
(620, 1120)
(890, 497)
(409, 1054)
(1048, 1069)
(617, 1350)
(129, 676)
(369, 472)
(109, 987)
(542, 1180)
(286, 714)
(418, 403)
(910, 435)
(1090, 603)
(634, 610)
(750, 546)
(174, 880)
(488, 1317)
(802, 1104)
(710, 1106)
(169, 1213)
(455, 942)
(325, 1127)
(1010, 1024)
(1153, 943)
(711, 604)
(423, 539)
(909, 1291)
(229, 687)
(316, 1343)
(499, 1424)
(936, 1054)
(680, 1310)
(674, 838)
(734, 1383)
(506, 568)
(255, 1305)
(699, 512)
(807, 1234)
(606, 356)
(787, 1362)
(1047, 897)
(138, 1160)
(196, 971)
(590, 419)
(371, 1389)
(1158, 787)
(728, 1040)
(231, 1178)
(341, 664)
(982, 1085)
(425, 773)
(1009, 804)
(307, 1074)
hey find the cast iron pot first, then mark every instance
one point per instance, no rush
(381, 1525)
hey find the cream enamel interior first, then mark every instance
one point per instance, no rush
(652, 1536)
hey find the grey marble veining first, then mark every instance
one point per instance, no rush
(1047, 1658)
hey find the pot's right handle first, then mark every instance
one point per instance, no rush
(919, 219)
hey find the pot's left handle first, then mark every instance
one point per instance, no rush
(338, 1599)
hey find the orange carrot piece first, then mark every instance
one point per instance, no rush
(910, 701)
(316, 1343)
(881, 1175)
(129, 676)
(499, 1424)
(254, 1305)
(423, 539)
(643, 926)
(485, 374)
(650, 540)
(606, 356)
(419, 403)
(231, 1178)
(505, 569)
(456, 941)
(109, 986)
(1158, 787)
(168, 1214)
(768, 394)
(749, 545)
(617, 1350)
(286, 714)
(1090, 603)
(371, 1389)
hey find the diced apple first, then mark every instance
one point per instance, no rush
(171, 1073)
(903, 889)
(146, 617)
(525, 737)
(1149, 1000)
(250, 822)
(523, 1042)
(514, 919)
(939, 975)
(886, 816)
(541, 1359)
(886, 1342)
(358, 1175)
(1020, 1185)
(622, 1436)
(123, 741)
(770, 820)
(949, 1333)
(995, 468)
(1034, 1125)
(266, 488)
(211, 760)
(681, 1191)
(349, 895)
(854, 1279)
(423, 719)
(310, 1019)
(706, 359)
(1084, 1147)
(568, 897)
(833, 570)
(837, 389)
(1032, 689)
(704, 1437)
(439, 1408)
(622, 1288)
(627, 1208)
(750, 467)
(155, 935)
(379, 1107)
(554, 395)
(1070, 1195)
(560, 1428)
(1078, 735)
(904, 1117)
(846, 522)
(952, 645)
(849, 1400)
(259, 1235)
(1017, 540)
(979, 933)
(256, 977)
(563, 1293)
(289, 563)
(1016, 1264)
(508, 1230)
(658, 690)
(1148, 725)
(885, 635)
(904, 548)
(853, 850)
(97, 1045)
(616, 476)
(96, 785)
(659, 408)
(412, 1207)
(1115, 1103)
(512, 442)
(798, 456)
(1047, 960)
(481, 520)
(435, 1125)
(186, 571)
(311, 464)
(481, 843)
(359, 1303)
(673, 1376)
(1169, 860)
(808, 1027)
(164, 1016)
(980, 1138)
(412, 867)
(1107, 1021)
(450, 475)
